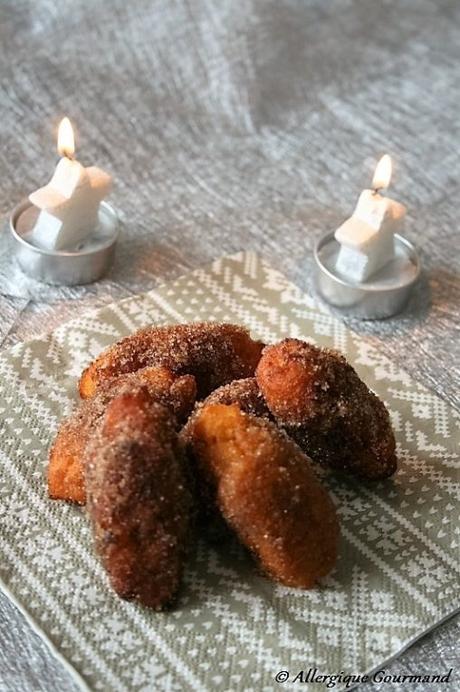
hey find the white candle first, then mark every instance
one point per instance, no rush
(69, 203)
(367, 237)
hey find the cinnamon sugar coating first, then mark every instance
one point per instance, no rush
(264, 413)
(245, 393)
(266, 490)
(213, 353)
(138, 499)
(319, 399)
(66, 477)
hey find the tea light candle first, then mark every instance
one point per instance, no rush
(366, 269)
(65, 233)
(367, 237)
(69, 203)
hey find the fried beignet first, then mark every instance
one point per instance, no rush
(265, 488)
(214, 353)
(66, 479)
(138, 499)
(323, 404)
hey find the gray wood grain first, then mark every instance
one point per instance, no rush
(226, 125)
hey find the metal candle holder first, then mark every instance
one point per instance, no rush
(84, 264)
(383, 296)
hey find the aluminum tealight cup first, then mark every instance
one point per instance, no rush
(384, 296)
(83, 265)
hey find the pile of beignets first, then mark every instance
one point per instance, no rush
(196, 427)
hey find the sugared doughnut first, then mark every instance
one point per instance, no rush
(322, 403)
(266, 490)
(213, 353)
(138, 498)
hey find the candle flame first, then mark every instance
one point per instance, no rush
(382, 175)
(66, 140)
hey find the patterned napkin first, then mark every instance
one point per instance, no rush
(397, 575)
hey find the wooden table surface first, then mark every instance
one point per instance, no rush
(230, 125)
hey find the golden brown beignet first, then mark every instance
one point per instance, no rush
(266, 490)
(319, 399)
(138, 498)
(213, 353)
